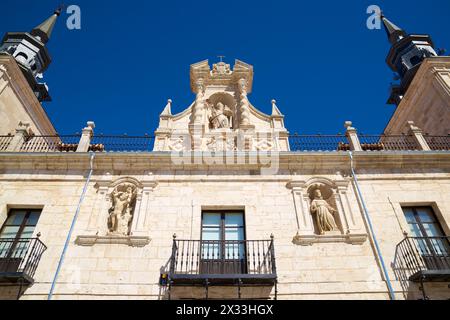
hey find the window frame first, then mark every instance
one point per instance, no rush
(420, 223)
(22, 226)
(222, 225)
(222, 230)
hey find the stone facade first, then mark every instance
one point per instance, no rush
(154, 195)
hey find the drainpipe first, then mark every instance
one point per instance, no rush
(69, 235)
(372, 232)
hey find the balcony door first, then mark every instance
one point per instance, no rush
(15, 236)
(430, 239)
(223, 249)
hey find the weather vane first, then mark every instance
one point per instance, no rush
(221, 58)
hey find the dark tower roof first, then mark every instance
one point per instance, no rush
(45, 29)
(394, 33)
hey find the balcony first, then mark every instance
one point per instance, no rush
(19, 259)
(423, 259)
(144, 144)
(222, 263)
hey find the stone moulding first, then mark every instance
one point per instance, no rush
(132, 241)
(309, 240)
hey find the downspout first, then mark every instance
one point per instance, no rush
(372, 232)
(69, 235)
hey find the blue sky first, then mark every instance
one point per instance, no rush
(317, 59)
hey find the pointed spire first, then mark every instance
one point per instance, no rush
(45, 29)
(275, 110)
(168, 109)
(394, 33)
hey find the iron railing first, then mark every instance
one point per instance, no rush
(422, 258)
(19, 258)
(318, 143)
(5, 141)
(103, 143)
(234, 259)
(66, 143)
(438, 143)
(388, 143)
(298, 143)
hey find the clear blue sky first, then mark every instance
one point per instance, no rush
(317, 59)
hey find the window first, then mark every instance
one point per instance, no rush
(20, 224)
(18, 227)
(423, 222)
(223, 242)
(428, 234)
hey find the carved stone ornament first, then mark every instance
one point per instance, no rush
(264, 145)
(118, 203)
(123, 200)
(322, 210)
(323, 213)
(221, 68)
(220, 143)
(220, 116)
(177, 144)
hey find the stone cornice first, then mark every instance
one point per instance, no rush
(22, 89)
(302, 163)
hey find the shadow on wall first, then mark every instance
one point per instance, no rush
(12, 292)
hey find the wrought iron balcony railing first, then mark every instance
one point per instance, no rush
(297, 143)
(19, 259)
(318, 143)
(421, 259)
(222, 262)
(438, 143)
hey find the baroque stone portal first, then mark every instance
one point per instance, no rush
(121, 213)
(323, 212)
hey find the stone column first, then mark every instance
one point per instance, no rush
(22, 133)
(138, 227)
(244, 104)
(98, 220)
(417, 134)
(304, 219)
(197, 127)
(85, 141)
(352, 136)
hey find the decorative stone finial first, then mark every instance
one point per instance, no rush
(91, 124)
(348, 124)
(275, 110)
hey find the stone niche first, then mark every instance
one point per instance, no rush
(324, 213)
(118, 213)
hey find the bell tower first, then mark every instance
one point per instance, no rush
(31, 54)
(422, 94)
(23, 60)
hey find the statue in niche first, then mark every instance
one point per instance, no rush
(121, 212)
(323, 212)
(219, 118)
